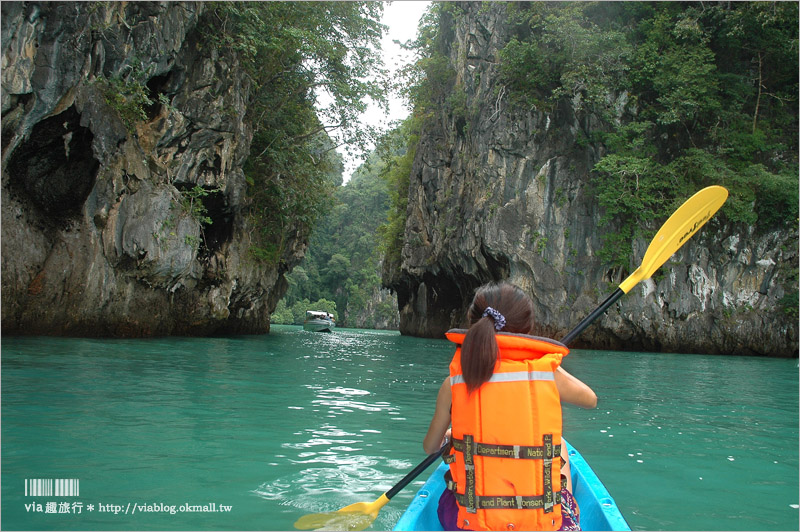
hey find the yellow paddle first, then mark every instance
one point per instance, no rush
(360, 515)
(679, 228)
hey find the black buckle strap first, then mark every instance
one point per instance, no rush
(519, 502)
(448, 480)
(472, 502)
(547, 473)
(470, 498)
(447, 455)
(521, 452)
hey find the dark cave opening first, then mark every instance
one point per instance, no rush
(220, 229)
(156, 85)
(55, 167)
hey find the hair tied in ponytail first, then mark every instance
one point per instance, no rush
(499, 319)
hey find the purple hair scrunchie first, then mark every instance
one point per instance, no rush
(499, 319)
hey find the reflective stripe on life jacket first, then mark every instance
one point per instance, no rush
(507, 437)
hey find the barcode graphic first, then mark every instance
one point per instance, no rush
(52, 487)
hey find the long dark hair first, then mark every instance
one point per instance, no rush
(479, 350)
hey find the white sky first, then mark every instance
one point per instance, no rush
(402, 19)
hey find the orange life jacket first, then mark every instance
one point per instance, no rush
(505, 457)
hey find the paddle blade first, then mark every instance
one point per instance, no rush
(357, 516)
(340, 520)
(678, 229)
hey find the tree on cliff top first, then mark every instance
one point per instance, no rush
(295, 51)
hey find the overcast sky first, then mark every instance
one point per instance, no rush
(402, 19)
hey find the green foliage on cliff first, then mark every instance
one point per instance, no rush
(397, 151)
(429, 81)
(293, 52)
(426, 83)
(556, 52)
(689, 94)
(129, 97)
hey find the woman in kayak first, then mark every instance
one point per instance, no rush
(500, 411)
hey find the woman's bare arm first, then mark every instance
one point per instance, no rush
(441, 419)
(572, 390)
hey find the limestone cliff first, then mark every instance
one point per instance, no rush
(101, 234)
(502, 192)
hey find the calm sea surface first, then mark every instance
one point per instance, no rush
(278, 426)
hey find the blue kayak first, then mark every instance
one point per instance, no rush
(598, 509)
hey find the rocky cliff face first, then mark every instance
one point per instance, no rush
(501, 192)
(379, 312)
(101, 232)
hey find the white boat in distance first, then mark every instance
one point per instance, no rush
(319, 321)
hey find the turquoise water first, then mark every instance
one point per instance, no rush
(291, 423)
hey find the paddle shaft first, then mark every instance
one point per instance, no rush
(596, 313)
(415, 472)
